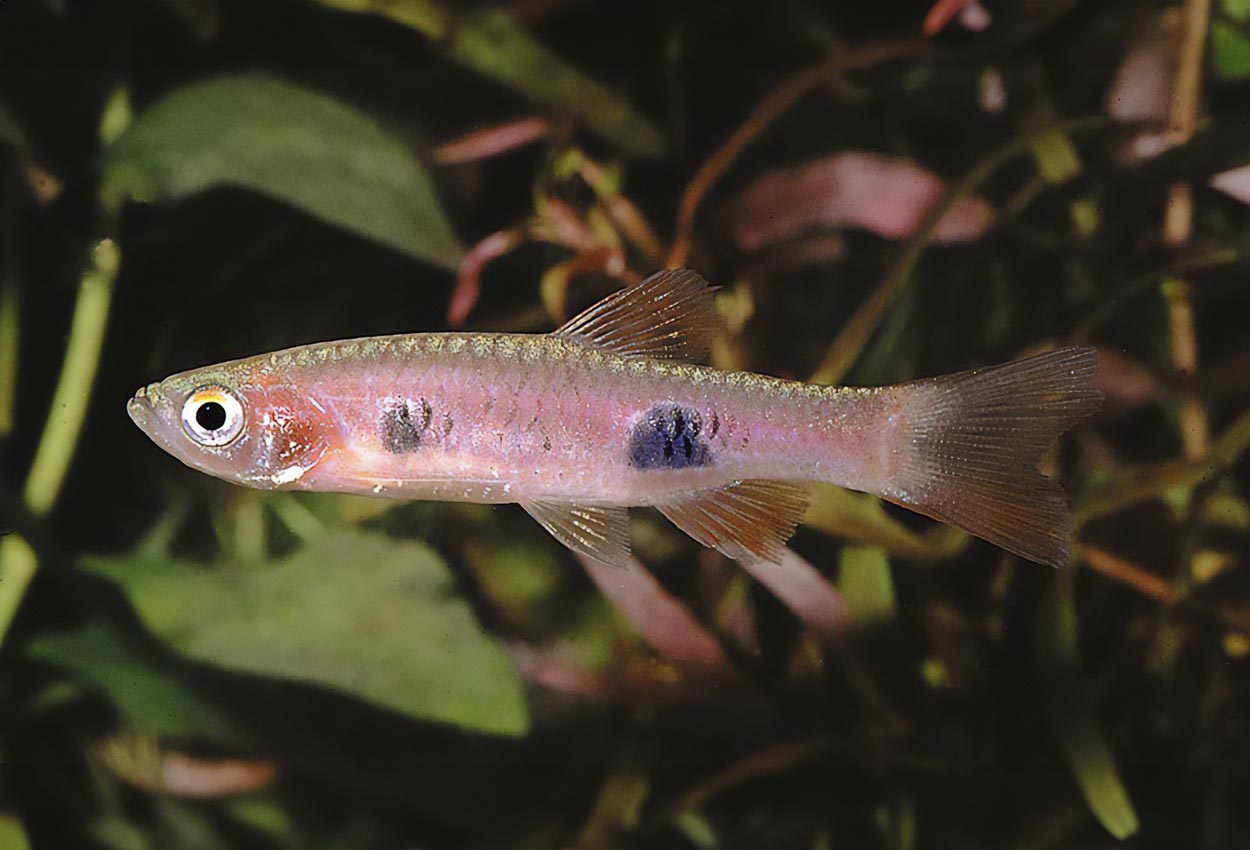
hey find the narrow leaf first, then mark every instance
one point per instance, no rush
(867, 585)
(1084, 744)
(859, 189)
(493, 43)
(860, 517)
(307, 149)
(12, 833)
(11, 132)
(803, 590)
(659, 618)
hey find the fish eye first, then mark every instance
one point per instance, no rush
(212, 416)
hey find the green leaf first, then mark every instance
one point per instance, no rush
(152, 699)
(1084, 744)
(358, 612)
(867, 586)
(1230, 51)
(288, 142)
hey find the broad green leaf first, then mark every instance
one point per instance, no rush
(270, 136)
(361, 613)
(867, 586)
(491, 42)
(151, 698)
(1086, 748)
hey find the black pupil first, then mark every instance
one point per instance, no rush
(211, 416)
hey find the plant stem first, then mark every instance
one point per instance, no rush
(73, 389)
(60, 435)
(9, 336)
(1179, 220)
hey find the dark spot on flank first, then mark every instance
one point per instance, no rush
(669, 436)
(546, 444)
(448, 423)
(400, 429)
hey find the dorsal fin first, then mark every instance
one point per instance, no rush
(670, 315)
(747, 520)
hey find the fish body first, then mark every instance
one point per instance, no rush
(609, 413)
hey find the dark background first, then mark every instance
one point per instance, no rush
(994, 704)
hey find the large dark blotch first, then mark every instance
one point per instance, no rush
(669, 437)
(402, 427)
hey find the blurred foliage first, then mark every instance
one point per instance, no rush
(185, 664)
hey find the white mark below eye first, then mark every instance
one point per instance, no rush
(212, 416)
(289, 475)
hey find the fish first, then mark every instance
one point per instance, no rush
(613, 410)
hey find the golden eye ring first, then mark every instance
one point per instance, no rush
(213, 416)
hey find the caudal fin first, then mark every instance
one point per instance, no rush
(971, 442)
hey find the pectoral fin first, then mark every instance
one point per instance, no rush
(747, 520)
(599, 532)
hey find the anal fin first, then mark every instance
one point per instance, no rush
(747, 520)
(599, 532)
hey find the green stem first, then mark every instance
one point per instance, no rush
(9, 330)
(73, 390)
(17, 568)
(60, 434)
(9, 325)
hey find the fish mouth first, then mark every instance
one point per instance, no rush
(142, 408)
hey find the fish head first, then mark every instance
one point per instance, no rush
(236, 423)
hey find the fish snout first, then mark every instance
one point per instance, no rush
(142, 406)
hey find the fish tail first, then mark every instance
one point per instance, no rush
(968, 447)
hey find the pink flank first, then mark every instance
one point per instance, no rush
(503, 418)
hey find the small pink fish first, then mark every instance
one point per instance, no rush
(609, 412)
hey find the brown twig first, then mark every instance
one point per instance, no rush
(628, 219)
(1141, 580)
(1129, 574)
(1179, 216)
(775, 104)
